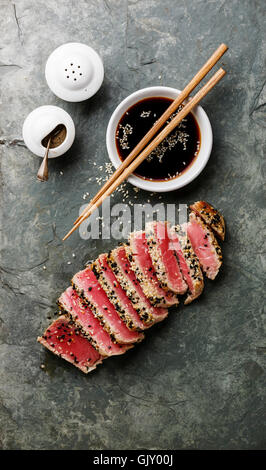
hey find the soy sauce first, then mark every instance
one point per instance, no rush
(175, 153)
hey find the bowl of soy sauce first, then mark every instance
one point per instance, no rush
(179, 158)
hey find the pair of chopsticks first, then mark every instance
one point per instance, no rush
(144, 148)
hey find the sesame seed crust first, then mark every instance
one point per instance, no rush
(156, 255)
(143, 307)
(210, 216)
(95, 311)
(140, 307)
(114, 298)
(192, 262)
(68, 324)
(149, 284)
(75, 320)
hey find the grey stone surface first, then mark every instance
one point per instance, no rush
(198, 380)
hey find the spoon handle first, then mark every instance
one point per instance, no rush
(42, 174)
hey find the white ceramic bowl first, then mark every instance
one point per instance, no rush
(40, 122)
(196, 167)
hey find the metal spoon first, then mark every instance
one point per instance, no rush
(42, 174)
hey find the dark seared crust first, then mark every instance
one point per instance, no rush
(140, 308)
(192, 263)
(98, 271)
(210, 216)
(209, 234)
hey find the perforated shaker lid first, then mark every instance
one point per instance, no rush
(74, 72)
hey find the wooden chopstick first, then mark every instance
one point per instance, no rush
(153, 144)
(159, 123)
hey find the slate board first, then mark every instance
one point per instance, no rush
(198, 380)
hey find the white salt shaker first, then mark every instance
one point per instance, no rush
(74, 72)
(40, 123)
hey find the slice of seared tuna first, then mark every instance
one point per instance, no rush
(204, 245)
(65, 340)
(165, 262)
(120, 265)
(86, 284)
(138, 254)
(116, 294)
(211, 217)
(188, 262)
(81, 314)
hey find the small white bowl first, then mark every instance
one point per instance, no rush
(196, 167)
(40, 122)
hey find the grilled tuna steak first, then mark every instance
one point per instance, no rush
(141, 263)
(72, 306)
(86, 284)
(211, 217)
(204, 245)
(188, 262)
(120, 265)
(163, 257)
(126, 291)
(64, 339)
(116, 294)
